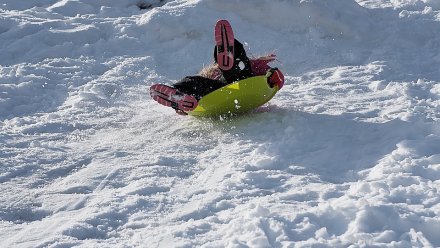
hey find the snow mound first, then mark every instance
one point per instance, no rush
(326, 19)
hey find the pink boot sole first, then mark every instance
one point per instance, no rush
(224, 40)
(170, 97)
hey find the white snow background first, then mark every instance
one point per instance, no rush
(347, 154)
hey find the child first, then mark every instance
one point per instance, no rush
(231, 64)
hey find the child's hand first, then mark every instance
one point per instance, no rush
(275, 77)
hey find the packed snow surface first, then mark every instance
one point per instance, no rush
(346, 154)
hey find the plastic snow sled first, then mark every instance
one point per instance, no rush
(236, 98)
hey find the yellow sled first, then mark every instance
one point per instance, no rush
(235, 98)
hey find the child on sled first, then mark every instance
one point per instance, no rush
(231, 64)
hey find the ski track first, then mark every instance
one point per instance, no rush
(346, 154)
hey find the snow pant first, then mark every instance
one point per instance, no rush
(199, 86)
(242, 66)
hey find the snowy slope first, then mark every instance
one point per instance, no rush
(346, 154)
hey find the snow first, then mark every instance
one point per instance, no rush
(347, 154)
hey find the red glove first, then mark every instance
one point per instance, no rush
(275, 78)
